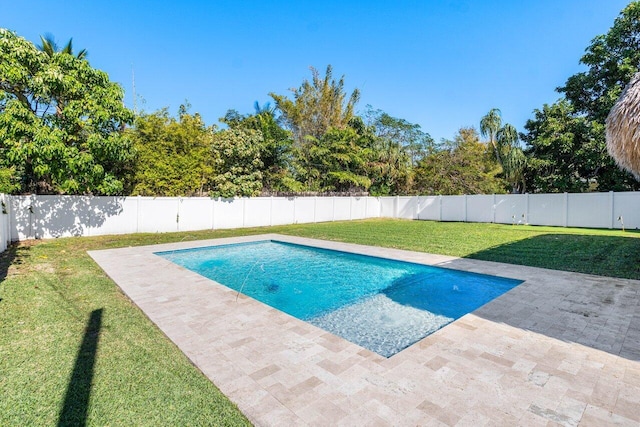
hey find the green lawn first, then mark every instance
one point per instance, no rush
(49, 289)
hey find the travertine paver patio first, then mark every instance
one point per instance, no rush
(560, 349)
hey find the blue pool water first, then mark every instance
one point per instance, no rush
(380, 304)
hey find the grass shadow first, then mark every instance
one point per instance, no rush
(596, 311)
(15, 254)
(76, 402)
(610, 256)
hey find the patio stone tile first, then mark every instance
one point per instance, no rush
(559, 349)
(264, 372)
(595, 416)
(628, 409)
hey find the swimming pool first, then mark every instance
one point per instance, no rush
(380, 304)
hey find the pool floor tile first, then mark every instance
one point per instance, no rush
(559, 349)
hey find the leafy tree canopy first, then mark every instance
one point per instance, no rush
(236, 155)
(566, 141)
(612, 59)
(317, 105)
(409, 136)
(173, 155)
(61, 122)
(276, 147)
(466, 168)
(338, 160)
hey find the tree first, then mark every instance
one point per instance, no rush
(489, 127)
(61, 122)
(466, 168)
(504, 142)
(276, 147)
(578, 120)
(236, 155)
(50, 47)
(612, 60)
(562, 151)
(389, 168)
(338, 160)
(408, 135)
(173, 156)
(317, 105)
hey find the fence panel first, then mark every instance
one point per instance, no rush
(21, 217)
(113, 215)
(283, 210)
(157, 214)
(480, 208)
(342, 209)
(589, 210)
(510, 208)
(429, 208)
(228, 213)
(61, 216)
(324, 209)
(453, 208)
(196, 213)
(5, 231)
(257, 212)
(358, 207)
(407, 207)
(626, 209)
(304, 210)
(373, 207)
(388, 207)
(546, 209)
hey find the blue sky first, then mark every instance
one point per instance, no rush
(441, 63)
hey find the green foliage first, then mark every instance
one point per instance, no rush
(466, 168)
(236, 154)
(276, 149)
(8, 181)
(50, 47)
(489, 128)
(61, 122)
(173, 156)
(504, 143)
(612, 59)
(409, 136)
(566, 141)
(558, 144)
(515, 164)
(389, 168)
(567, 153)
(317, 105)
(337, 161)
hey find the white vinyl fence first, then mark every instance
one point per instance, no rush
(588, 210)
(5, 231)
(36, 217)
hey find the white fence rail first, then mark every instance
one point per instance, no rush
(29, 217)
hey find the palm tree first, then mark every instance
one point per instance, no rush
(489, 127)
(504, 141)
(50, 47)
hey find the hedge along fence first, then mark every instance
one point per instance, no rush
(29, 217)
